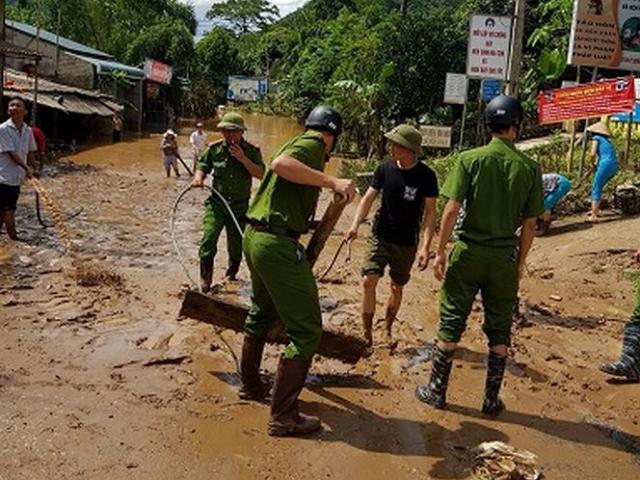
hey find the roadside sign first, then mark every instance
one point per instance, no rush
(438, 137)
(625, 117)
(490, 89)
(455, 89)
(587, 100)
(488, 49)
(158, 72)
(605, 34)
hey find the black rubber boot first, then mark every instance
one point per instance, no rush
(285, 418)
(253, 387)
(493, 405)
(435, 392)
(206, 274)
(628, 365)
(232, 271)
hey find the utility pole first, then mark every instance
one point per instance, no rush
(517, 38)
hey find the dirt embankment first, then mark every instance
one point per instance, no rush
(106, 382)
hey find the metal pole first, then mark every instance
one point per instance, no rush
(58, 42)
(584, 133)
(572, 144)
(462, 126)
(627, 139)
(34, 108)
(515, 59)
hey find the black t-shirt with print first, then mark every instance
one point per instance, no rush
(403, 194)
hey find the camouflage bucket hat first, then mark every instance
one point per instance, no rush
(407, 136)
(232, 121)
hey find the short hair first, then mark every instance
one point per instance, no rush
(19, 99)
(493, 128)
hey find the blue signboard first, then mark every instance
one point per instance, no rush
(624, 117)
(490, 89)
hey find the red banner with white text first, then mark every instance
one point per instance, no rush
(586, 101)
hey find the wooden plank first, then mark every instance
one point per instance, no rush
(325, 228)
(231, 316)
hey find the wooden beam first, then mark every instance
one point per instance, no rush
(324, 228)
(231, 316)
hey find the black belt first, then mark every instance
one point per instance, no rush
(282, 231)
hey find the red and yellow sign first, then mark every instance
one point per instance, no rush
(586, 101)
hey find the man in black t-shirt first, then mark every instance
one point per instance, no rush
(409, 192)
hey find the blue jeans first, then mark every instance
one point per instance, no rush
(604, 173)
(550, 200)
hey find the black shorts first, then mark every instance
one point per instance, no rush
(9, 197)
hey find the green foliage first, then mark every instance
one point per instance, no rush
(217, 56)
(244, 15)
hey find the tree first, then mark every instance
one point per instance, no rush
(217, 58)
(244, 15)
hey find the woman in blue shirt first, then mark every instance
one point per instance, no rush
(605, 161)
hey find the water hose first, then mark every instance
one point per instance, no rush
(182, 261)
(172, 227)
(335, 258)
(49, 225)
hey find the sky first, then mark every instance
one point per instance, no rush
(201, 7)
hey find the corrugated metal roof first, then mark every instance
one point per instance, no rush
(60, 97)
(106, 66)
(11, 50)
(65, 43)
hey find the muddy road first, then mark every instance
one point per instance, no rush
(107, 382)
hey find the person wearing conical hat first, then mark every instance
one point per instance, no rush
(233, 162)
(409, 192)
(605, 164)
(170, 152)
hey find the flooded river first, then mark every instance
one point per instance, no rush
(143, 154)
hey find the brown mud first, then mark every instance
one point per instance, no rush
(105, 381)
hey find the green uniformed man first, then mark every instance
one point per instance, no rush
(283, 286)
(502, 190)
(233, 161)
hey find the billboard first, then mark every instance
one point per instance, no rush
(158, 72)
(587, 100)
(488, 49)
(247, 89)
(455, 89)
(606, 33)
(438, 137)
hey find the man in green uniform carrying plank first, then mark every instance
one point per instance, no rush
(283, 286)
(502, 189)
(233, 162)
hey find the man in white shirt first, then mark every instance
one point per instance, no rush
(198, 141)
(17, 147)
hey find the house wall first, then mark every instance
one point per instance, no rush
(71, 70)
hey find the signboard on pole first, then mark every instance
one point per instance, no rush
(606, 34)
(626, 117)
(488, 50)
(586, 101)
(158, 72)
(490, 89)
(438, 137)
(455, 89)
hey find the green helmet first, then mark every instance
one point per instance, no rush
(232, 121)
(407, 136)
